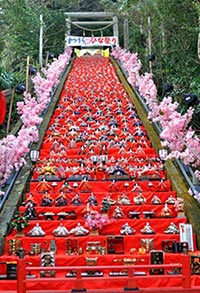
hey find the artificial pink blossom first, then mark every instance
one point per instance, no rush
(13, 149)
(95, 220)
(197, 174)
(176, 133)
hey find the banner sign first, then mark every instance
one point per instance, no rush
(73, 41)
(186, 234)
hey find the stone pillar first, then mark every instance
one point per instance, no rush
(126, 34)
(68, 30)
(115, 27)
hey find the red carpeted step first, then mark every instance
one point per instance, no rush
(96, 145)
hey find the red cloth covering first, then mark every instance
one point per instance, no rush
(93, 84)
(2, 107)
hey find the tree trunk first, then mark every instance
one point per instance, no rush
(198, 48)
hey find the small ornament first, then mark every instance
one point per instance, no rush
(76, 200)
(95, 221)
(47, 260)
(49, 216)
(105, 206)
(92, 200)
(127, 230)
(46, 200)
(133, 215)
(148, 214)
(84, 186)
(170, 200)
(156, 200)
(36, 231)
(35, 249)
(113, 187)
(115, 244)
(47, 170)
(29, 200)
(19, 221)
(43, 186)
(62, 215)
(60, 231)
(161, 185)
(109, 200)
(166, 211)
(123, 199)
(139, 199)
(147, 243)
(147, 229)
(172, 229)
(117, 213)
(79, 230)
(66, 188)
(179, 204)
(61, 200)
(136, 188)
(13, 246)
(31, 211)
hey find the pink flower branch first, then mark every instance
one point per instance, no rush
(13, 149)
(176, 133)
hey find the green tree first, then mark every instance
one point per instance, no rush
(174, 36)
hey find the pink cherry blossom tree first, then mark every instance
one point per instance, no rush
(13, 149)
(176, 133)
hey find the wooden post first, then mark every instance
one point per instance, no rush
(131, 284)
(78, 283)
(126, 34)
(21, 275)
(150, 44)
(186, 271)
(10, 110)
(27, 73)
(41, 41)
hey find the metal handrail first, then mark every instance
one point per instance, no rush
(14, 176)
(5, 196)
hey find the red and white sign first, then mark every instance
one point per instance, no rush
(73, 41)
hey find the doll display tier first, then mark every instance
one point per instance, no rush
(99, 194)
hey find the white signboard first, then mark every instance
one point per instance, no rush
(73, 41)
(186, 235)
